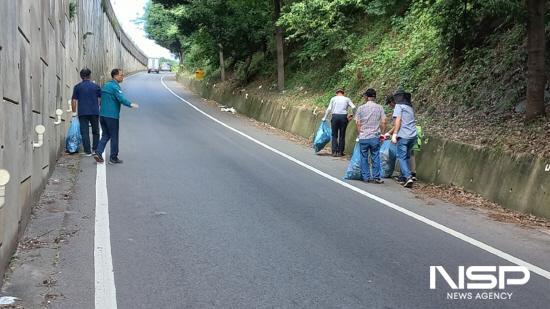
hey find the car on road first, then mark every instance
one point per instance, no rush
(166, 67)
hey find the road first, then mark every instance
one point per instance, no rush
(201, 216)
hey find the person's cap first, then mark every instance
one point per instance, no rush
(370, 93)
(340, 90)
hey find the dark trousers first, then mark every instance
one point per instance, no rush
(85, 122)
(109, 127)
(339, 123)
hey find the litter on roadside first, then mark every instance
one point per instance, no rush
(228, 109)
(8, 300)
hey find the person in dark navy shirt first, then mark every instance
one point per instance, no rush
(87, 97)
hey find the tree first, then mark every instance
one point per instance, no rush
(222, 63)
(466, 24)
(161, 26)
(279, 44)
(323, 27)
(536, 76)
(224, 32)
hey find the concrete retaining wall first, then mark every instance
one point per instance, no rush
(516, 182)
(42, 48)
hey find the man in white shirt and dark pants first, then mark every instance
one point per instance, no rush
(338, 107)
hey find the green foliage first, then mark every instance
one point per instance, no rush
(161, 26)
(326, 27)
(241, 27)
(411, 44)
(391, 53)
(200, 52)
(204, 22)
(492, 78)
(72, 10)
(322, 26)
(458, 54)
(465, 24)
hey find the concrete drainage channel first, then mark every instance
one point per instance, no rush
(516, 182)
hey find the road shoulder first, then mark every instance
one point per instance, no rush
(30, 275)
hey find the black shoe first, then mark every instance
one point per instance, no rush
(115, 161)
(413, 176)
(98, 158)
(399, 180)
(408, 183)
(378, 181)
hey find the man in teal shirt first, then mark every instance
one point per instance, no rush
(111, 100)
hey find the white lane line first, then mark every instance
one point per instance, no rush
(105, 291)
(542, 272)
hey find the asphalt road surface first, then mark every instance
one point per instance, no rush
(203, 217)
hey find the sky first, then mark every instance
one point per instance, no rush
(129, 10)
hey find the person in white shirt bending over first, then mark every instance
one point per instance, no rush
(338, 107)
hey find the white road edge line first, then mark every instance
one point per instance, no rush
(533, 268)
(105, 290)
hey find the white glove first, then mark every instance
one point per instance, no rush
(394, 138)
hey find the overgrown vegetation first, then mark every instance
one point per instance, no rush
(72, 10)
(455, 56)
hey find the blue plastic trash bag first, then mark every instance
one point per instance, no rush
(388, 155)
(322, 137)
(354, 168)
(73, 140)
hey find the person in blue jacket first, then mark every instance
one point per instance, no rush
(111, 100)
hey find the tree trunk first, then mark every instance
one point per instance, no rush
(279, 44)
(222, 63)
(536, 77)
(181, 54)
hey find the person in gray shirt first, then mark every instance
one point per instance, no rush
(403, 134)
(338, 107)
